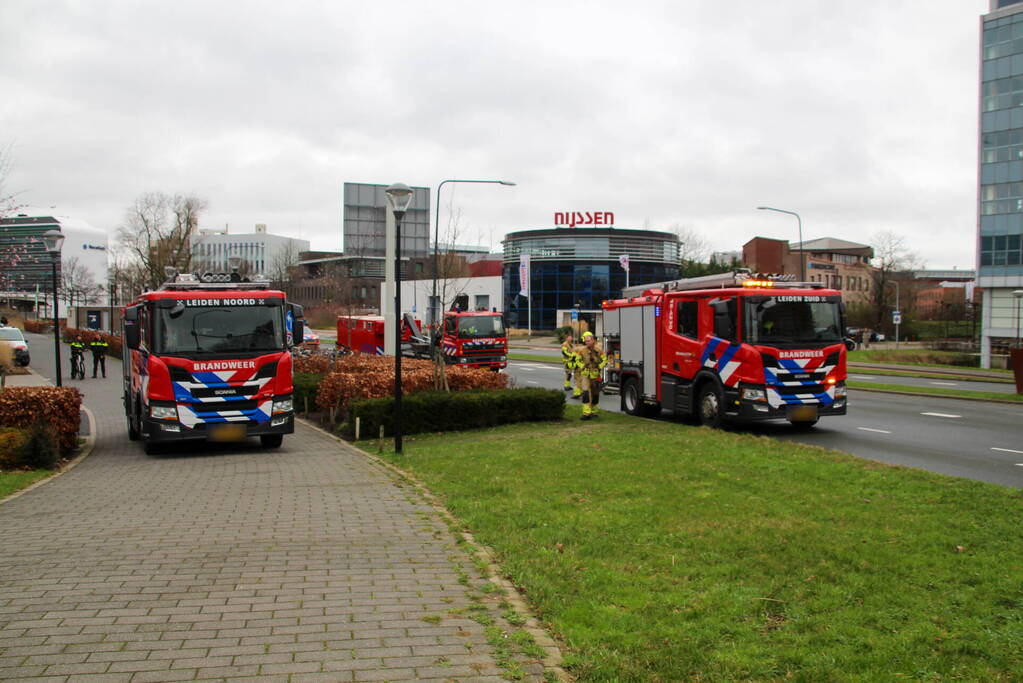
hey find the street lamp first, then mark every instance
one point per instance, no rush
(53, 239)
(1019, 296)
(436, 240)
(399, 197)
(802, 252)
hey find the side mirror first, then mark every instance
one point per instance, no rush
(850, 345)
(132, 336)
(297, 324)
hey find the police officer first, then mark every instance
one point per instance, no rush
(590, 359)
(99, 355)
(78, 352)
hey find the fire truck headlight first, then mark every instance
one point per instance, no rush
(283, 405)
(163, 412)
(752, 394)
(840, 389)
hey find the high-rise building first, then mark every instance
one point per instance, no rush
(365, 215)
(260, 252)
(1000, 211)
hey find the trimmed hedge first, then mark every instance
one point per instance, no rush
(28, 449)
(307, 385)
(58, 407)
(447, 412)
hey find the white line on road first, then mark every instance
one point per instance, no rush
(947, 384)
(867, 377)
(940, 415)
(1006, 450)
(879, 431)
(528, 381)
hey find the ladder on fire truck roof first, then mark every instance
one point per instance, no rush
(735, 278)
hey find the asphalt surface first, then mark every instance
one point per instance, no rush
(230, 562)
(973, 439)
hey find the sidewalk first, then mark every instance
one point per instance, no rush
(232, 562)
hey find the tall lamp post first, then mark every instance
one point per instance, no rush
(802, 252)
(399, 196)
(436, 240)
(53, 239)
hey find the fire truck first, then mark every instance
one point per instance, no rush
(474, 339)
(207, 357)
(729, 347)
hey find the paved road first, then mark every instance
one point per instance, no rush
(973, 439)
(306, 563)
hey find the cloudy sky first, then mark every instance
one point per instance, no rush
(859, 115)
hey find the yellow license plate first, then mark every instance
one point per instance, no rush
(802, 413)
(226, 432)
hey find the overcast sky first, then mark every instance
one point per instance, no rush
(860, 115)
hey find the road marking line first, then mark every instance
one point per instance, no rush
(947, 384)
(940, 415)
(879, 431)
(529, 381)
(1006, 450)
(868, 377)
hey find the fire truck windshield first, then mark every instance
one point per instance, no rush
(793, 320)
(195, 330)
(476, 326)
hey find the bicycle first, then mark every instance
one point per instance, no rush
(77, 364)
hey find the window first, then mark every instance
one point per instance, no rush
(688, 314)
(482, 302)
(1001, 250)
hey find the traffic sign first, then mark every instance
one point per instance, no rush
(896, 318)
(575, 315)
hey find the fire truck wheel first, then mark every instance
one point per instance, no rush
(710, 407)
(632, 404)
(133, 426)
(271, 440)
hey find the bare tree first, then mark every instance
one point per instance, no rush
(77, 283)
(282, 266)
(693, 247)
(893, 262)
(158, 232)
(8, 199)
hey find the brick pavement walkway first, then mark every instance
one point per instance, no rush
(306, 563)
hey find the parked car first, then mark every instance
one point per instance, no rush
(13, 338)
(310, 338)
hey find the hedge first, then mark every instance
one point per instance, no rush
(59, 407)
(307, 385)
(445, 412)
(28, 449)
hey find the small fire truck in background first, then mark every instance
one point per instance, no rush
(729, 347)
(474, 339)
(208, 358)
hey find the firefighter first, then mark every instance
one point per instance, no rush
(99, 356)
(568, 358)
(590, 359)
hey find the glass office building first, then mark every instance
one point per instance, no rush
(1000, 209)
(580, 268)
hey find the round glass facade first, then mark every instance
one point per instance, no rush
(579, 267)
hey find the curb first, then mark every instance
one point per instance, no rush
(90, 442)
(957, 398)
(554, 658)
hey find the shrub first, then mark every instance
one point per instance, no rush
(306, 384)
(360, 376)
(442, 412)
(58, 407)
(312, 363)
(34, 448)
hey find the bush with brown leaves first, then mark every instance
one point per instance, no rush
(361, 376)
(58, 407)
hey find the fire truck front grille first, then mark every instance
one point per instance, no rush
(811, 377)
(482, 349)
(802, 389)
(221, 406)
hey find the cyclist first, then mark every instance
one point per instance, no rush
(78, 358)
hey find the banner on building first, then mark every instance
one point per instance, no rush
(624, 261)
(524, 275)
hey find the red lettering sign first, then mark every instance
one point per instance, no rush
(574, 218)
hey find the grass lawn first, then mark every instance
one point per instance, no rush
(659, 551)
(15, 481)
(925, 373)
(937, 391)
(922, 357)
(535, 357)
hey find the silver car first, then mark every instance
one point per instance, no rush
(12, 337)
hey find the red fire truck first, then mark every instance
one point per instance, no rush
(475, 339)
(208, 358)
(729, 347)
